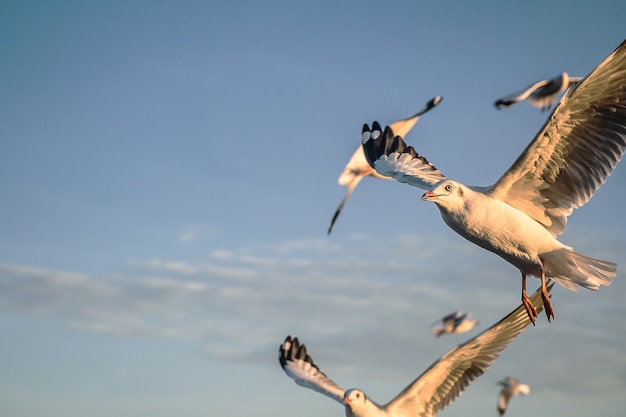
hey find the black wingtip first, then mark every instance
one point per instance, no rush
(375, 146)
(283, 351)
(292, 350)
(332, 222)
(501, 104)
(434, 102)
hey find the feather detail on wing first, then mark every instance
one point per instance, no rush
(358, 167)
(575, 151)
(299, 366)
(447, 377)
(390, 156)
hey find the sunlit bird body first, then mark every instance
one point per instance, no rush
(543, 94)
(519, 217)
(454, 323)
(432, 391)
(358, 167)
(510, 388)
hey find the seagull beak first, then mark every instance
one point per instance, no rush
(347, 400)
(429, 195)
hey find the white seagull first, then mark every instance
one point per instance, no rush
(432, 391)
(457, 322)
(510, 388)
(358, 167)
(541, 94)
(519, 217)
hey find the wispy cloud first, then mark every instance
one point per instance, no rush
(194, 232)
(340, 295)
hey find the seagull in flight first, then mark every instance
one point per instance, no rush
(519, 217)
(457, 322)
(358, 167)
(432, 391)
(541, 94)
(510, 388)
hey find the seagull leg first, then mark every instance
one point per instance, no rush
(547, 304)
(528, 304)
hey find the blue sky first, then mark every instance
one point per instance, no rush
(168, 172)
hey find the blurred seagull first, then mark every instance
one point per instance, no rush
(510, 388)
(430, 393)
(541, 94)
(519, 217)
(457, 322)
(358, 168)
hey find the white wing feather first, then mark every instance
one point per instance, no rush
(575, 151)
(391, 157)
(447, 377)
(299, 366)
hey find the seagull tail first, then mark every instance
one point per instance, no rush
(570, 269)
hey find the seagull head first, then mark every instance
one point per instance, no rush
(354, 400)
(444, 190)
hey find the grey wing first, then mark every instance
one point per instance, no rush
(450, 375)
(460, 319)
(574, 152)
(518, 96)
(547, 95)
(389, 155)
(552, 87)
(455, 316)
(299, 366)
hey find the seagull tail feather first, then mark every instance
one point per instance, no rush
(569, 268)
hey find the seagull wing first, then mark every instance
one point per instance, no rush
(358, 167)
(574, 152)
(389, 155)
(447, 377)
(461, 319)
(299, 366)
(402, 127)
(510, 387)
(454, 316)
(503, 400)
(518, 96)
(551, 88)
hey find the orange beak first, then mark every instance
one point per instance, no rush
(347, 400)
(429, 195)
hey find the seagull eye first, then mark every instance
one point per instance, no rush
(448, 187)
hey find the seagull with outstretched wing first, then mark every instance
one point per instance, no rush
(358, 167)
(519, 217)
(454, 323)
(441, 384)
(542, 94)
(510, 388)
